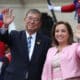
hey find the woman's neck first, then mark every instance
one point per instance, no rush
(60, 47)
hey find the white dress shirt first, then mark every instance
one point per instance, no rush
(11, 27)
(32, 43)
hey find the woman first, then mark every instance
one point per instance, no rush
(63, 59)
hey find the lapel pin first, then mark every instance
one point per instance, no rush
(38, 42)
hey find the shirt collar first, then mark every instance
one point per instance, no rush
(33, 35)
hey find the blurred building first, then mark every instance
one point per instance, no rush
(21, 6)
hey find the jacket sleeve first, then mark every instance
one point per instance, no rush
(68, 8)
(47, 69)
(5, 37)
(65, 8)
(78, 50)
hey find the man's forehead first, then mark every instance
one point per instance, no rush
(34, 15)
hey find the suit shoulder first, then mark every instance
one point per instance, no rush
(45, 37)
(16, 33)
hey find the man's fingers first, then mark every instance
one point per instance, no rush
(5, 11)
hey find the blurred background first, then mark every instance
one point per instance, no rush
(22, 6)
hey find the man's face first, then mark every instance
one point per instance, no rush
(32, 22)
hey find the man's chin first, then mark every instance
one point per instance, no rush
(30, 31)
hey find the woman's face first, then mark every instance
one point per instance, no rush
(61, 34)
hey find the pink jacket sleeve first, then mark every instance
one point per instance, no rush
(78, 49)
(47, 69)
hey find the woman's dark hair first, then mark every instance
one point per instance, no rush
(47, 24)
(68, 26)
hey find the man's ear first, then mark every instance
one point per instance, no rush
(24, 18)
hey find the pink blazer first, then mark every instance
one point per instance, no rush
(69, 60)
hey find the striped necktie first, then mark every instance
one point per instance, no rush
(29, 43)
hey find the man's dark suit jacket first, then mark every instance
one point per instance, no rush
(20, 64)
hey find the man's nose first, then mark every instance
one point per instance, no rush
(32, 20)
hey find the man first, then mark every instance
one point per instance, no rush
(26, 63)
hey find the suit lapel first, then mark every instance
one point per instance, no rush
(24, 44)
(37, 49)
